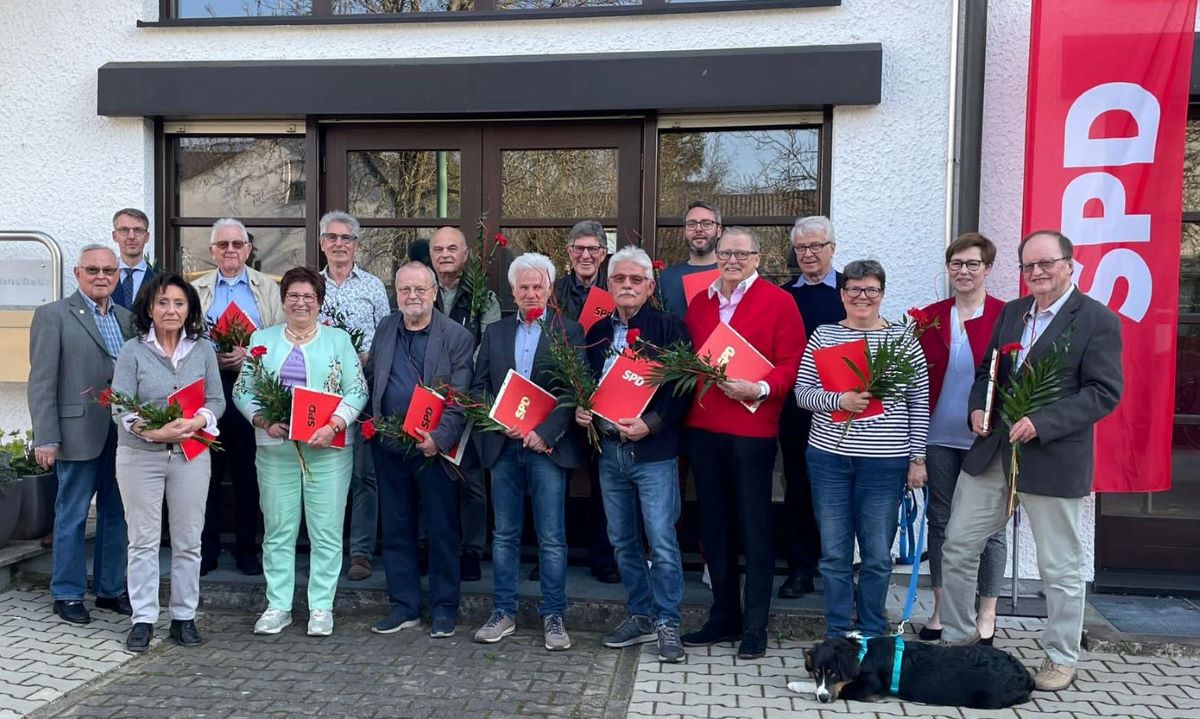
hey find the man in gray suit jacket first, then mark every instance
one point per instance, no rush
(418, 345)
(73, 345)
(1056, 451)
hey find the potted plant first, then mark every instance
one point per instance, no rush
(39, 488)
(10, 498)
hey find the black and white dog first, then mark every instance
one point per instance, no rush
(975, 676)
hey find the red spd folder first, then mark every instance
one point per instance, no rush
(624, 392)
(234, 315)
(697, 282)
(312, 410)
(599, 304)
(424, 412)
(190, 399)
(521, 404)
(836, 375)
(454, 455)
(741, 360)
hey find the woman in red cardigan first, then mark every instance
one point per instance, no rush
(952, 352)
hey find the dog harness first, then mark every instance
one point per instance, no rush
(894, 689)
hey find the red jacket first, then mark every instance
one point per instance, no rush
(767, 317)
(936, 342)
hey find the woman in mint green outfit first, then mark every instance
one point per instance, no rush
(303, 353)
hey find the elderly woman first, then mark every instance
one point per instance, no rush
(302, 352)
(165, 357)
(953, 351)
(858, 473)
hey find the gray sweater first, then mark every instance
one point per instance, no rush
(143, 373)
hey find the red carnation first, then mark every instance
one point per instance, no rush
(658, 265)
(534, 314)
(258, 351)
(1011, 347)
(501, 240)
(368, 429)
(106, 398)
(631, 337)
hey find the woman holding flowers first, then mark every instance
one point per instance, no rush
(163, 358)
(964, 325)
(312, 476)
(863, 446)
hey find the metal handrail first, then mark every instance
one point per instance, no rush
(51, 245)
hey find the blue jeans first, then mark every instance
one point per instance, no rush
(856, 498)
(364, 498)
(77, 482)
(654, 591)
(515, 470)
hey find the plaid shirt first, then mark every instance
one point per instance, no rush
(110, 329)
(361, 299)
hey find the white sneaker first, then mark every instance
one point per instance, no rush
(320, 623)
(272, 621)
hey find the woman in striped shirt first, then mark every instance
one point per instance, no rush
(858, 473)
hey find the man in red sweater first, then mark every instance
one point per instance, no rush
(732, 450)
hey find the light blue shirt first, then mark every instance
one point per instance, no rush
(110, 329)
(948, 424)
(528, 336)
(1036, 323)
(234, 289)
(620, 332)
(829, 279)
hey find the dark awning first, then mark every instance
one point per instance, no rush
(777, 78)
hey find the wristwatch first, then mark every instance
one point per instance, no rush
(919, 461)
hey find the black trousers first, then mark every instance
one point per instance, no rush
(802, 537)
(733, 490)
(237, 439)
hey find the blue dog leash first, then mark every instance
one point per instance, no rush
(916, 566)
(896, 658)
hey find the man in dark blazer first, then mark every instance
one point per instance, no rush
(417, 345)
(131, 232)
(1056, 451)
(73, 345)
(537, 462)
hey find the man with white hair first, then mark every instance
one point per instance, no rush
(73, 346)
(537, 462)
(638, 467)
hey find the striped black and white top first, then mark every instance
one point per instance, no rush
(898, 432)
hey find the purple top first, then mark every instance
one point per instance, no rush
(293, 372)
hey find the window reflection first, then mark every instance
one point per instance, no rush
(559, 183)
(240, 176)
(241, 8)
(372, 7)
(404, 183)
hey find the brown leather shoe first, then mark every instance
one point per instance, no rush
(360, 568)
(1053, 677)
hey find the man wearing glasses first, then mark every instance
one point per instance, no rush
(732, 449)
(1056, 451)
(73, 346)
(817, 298)
(360, 300)
(131, 232)
(702, 231)
(258, 297)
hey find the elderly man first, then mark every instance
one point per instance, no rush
(73, 345)
(417, 346)
(258, 297)
(358, 299)
(817, 298)
(536, 462)
(449, 252)
(131, 232)
(732, 450)
(1056, 451)
(701, 230)
(639, 473)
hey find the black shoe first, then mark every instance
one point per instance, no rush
(607, 575)
(707, 635)
(249, 564)
(139, 637)
(208, 562)
(929, 635)
(468, 567)
(120, 604)
(184, 632)
(753, 646)
(796, 586)
(72, 610)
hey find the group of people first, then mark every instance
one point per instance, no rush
(844, 477)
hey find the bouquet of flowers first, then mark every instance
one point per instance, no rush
(338, 319)
(273, 399)
(475, 274)
(227, 336)
(149, 415)
(576, 385)
(477, 410)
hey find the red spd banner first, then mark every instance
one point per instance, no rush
(1108, 93)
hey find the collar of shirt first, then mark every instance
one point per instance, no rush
(830, 279)
(715, 287)
(355, 272)
(181, 350)
(1050, 311)
(94, 307)
(243, 277)
(139, 267)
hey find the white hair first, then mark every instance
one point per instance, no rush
(343, 217)
(227, 222)
(415, 265)
(531, 261)
(92, 248)
(814, 223)
(634, 254)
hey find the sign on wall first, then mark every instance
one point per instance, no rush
(26, 283)
(1108, 93)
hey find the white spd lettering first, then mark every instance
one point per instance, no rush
(726, 355)
(1116, 223)
(634, 377)
(522, 406)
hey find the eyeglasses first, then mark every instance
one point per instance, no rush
(406, 291)
(635, 280)
(92, 271)
(871, 293)
(814, 248)
(294, 297)
(226, 244)
(1043, 265)
(135, 231)
(335, 238)
(741, 255)
(702, 224)
(593, 250)
(972, 265)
